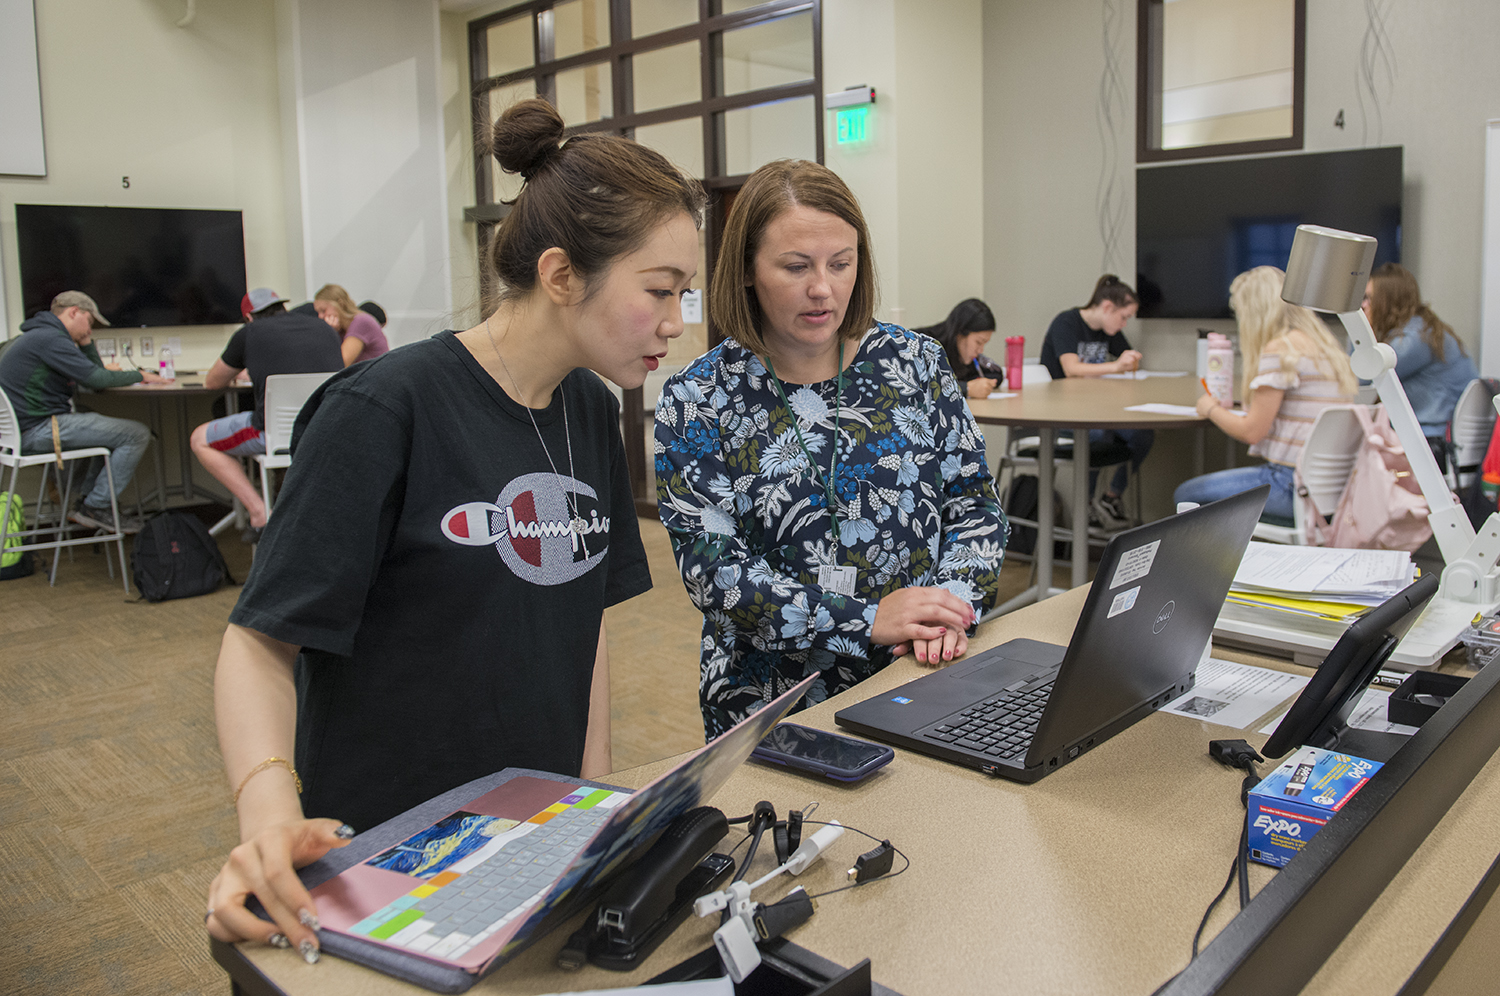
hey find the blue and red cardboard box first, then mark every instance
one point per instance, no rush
(1293, 803)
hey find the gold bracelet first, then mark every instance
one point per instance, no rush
(269, 762)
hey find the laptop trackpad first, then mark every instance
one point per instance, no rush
(1032, 652)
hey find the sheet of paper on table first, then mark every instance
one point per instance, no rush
(1369, 714)
(997, 395)
(1231, 694)
(1156, 408)
(1145, 374)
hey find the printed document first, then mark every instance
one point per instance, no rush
(1235, 695)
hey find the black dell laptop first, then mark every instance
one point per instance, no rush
(1025, 708)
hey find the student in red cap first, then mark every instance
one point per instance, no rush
(272, 341)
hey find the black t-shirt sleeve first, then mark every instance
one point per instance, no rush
(629, 573)
(331, 526)
(234, 352)
(1062, 337)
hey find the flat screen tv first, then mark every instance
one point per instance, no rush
(1199, 224)
(143, 266)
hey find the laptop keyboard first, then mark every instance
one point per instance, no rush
(450, 913)
(1000, 727)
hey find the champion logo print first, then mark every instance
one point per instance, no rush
(530, 524)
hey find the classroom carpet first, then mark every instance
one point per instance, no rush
(114, 806)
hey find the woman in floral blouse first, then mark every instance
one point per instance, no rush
(807, 556)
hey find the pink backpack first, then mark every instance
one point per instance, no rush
(1382, 507)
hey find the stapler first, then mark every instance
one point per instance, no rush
(654, 895)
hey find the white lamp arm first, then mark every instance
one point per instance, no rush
(1376, 361)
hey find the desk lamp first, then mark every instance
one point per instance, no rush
(1327, 272)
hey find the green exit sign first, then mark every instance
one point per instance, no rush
(853, 125)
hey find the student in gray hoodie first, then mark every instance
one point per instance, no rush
(39, 371)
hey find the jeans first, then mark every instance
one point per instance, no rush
(126, 441)
(1223, 483)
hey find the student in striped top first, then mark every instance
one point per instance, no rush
(1292, 368)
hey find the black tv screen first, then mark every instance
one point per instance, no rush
(143, 266)
(1199, 225)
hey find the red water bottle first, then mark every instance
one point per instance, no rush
(1015, 354)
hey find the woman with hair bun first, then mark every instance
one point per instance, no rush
(1293, 367)
(1430, 360)
(426, 605)
(1090, 342)
(821, 479)
(964, 334)
(363, 338)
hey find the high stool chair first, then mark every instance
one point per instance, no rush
(11, 456)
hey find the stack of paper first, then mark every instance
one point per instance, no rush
(1320, 589)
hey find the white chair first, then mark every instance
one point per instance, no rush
(11, 456)
(285, 396)
(1473, 422)
(1326, 463)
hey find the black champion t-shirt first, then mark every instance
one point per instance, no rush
(1069, 333)
(421, 557)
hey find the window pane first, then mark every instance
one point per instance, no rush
(680, 141)
(753, 136)
(734, 6)
(505, 185)
(585, 94)
(1226, 71)
(509, 46)
(667, 76)
(768, 54)
(579, 26)
(647, 17)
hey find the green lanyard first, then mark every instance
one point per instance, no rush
(833, 464)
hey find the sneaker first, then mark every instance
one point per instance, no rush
(103, 518)
(1108, 513)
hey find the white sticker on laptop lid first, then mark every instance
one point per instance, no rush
(1124, 601)
(1135, 564)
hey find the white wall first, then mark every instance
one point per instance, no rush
(370, 156)
(918, 177)
(189, 114)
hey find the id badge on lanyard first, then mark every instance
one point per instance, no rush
(836, 578)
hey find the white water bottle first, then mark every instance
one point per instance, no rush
(1220, 374)
(1203, 335)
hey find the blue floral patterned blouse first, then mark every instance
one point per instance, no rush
(749, 521)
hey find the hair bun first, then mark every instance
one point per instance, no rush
(526, 137)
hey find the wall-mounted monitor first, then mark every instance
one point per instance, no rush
(1199, 224)
(144, 266)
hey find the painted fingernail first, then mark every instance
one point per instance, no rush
(278, 941)
(309, 920)
(309, 952)
(344, 832)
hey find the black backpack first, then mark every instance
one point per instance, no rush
(175, 557)
(1022, 504)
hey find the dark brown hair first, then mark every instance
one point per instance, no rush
(1114, 290)
(595, 197)
(772, 189)
(1395, 299)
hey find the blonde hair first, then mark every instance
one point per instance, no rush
(342, 303)
(1255, 298)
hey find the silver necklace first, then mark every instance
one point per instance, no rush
(576, 524)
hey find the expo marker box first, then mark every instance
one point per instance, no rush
(1292, 803)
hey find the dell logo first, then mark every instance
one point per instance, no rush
(1163, 616)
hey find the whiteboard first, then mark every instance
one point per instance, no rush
(22, 152)
(1489, 292)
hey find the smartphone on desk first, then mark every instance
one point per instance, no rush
(832, 755)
